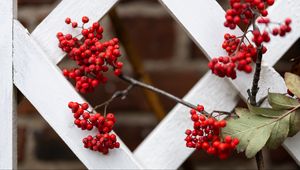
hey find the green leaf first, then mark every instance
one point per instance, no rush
(252, 130)
(266, 112)
(280, 101)
(294, 123)
(279, 132)
(292, 82)
(258, 142)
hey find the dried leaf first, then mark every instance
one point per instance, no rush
(292, 82)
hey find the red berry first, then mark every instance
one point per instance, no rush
(74, 24)
(67, 20)
(227, 139)
(288, 21)
(222, 123)
(200, 108)
(85, 19)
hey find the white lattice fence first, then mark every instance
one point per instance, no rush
(29, 61)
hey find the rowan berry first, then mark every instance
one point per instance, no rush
(87, 120)
(85, 19)
(206, 136)
(93, 57)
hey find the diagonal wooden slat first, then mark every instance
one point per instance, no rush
(7, 108)
(43, 84)
(204, 23)
(45, 32)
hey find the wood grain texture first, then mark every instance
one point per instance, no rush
(7, 109)
(46, 88)
(203, 21)
(45, 33)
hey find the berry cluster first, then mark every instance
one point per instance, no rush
(242, 11)
(206, 135)
(101, 142)
(87, 120)
(92, 56)
(281, 29)
(240, 56)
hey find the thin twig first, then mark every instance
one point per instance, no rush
(159, 91)
(118, 94)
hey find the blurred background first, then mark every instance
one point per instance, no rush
(165, 54)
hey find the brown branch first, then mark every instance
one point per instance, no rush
(253, 92)
(135, 82)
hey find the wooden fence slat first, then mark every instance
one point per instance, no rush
(46, 88)
(45, 33)
(204, 23)
(7, 109)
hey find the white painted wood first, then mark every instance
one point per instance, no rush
(46, 88)
(45, 33)
(203, 21)
(7, 108)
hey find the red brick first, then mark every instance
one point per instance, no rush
(49, 146)
(195, 51)
(21, 143)
(25, 107)
(153, 38)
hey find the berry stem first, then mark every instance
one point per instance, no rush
(118, 94)
(135, 82)
(242, 38)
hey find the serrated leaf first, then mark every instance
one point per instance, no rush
(280, 101)
(294, 123)
(279, 133)
(249, 128)
(292, 82)
(266, 112)
(258, 142)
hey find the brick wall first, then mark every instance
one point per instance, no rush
(172, 60)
